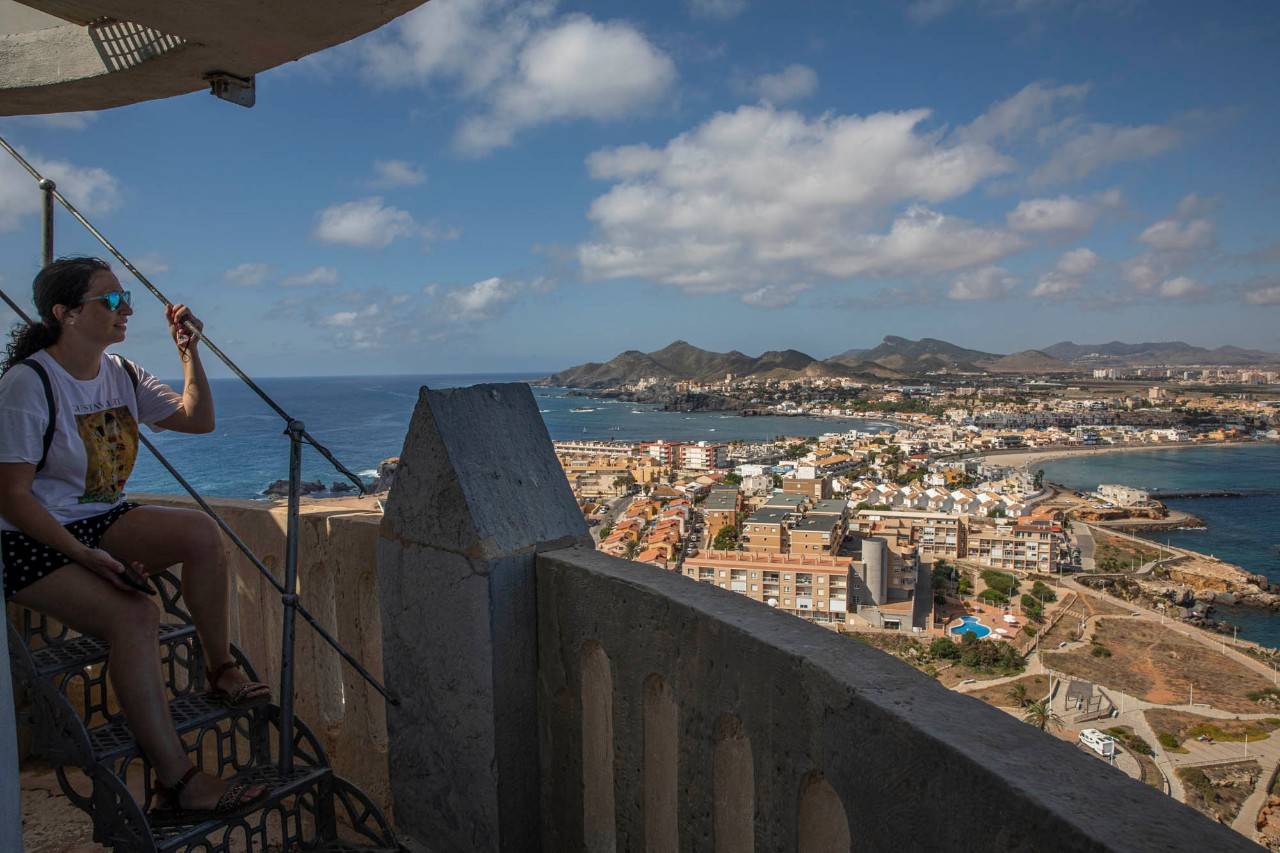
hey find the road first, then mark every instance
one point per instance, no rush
(1084, 541)
(615, 508)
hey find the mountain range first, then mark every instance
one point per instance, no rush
(893, 358)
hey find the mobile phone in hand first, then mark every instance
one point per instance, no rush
(137, 581)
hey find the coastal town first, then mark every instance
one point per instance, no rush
(937, 539)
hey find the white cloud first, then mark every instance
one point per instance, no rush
(1168, 235)
(472, 43)
(1068, 276)
(1145, 271)
(1099, 145)
(151, 263)
(719, 9)
(1263, 296)
(91, 189)
(389, 174)
(985, 283)
(521, 64)
(342, 318)
(1078, 262)
(56, 121)
(1193, 205)
(792, 83)
(626, 161)
(1182, 287)
(926, 11)
(317, 277)
(1061, 214)
(774, 295)
(482, 300)
(367, 223)
(1022, 112)
(249, 274)
(578, 69)
(762, 196)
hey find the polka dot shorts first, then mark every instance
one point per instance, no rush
(25, 560)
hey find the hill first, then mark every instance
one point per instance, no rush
(894, 358)
(681, 360)
(1119, 354)
(1027, 361)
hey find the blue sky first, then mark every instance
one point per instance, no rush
(508, 186)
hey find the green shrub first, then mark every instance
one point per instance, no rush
(993, 596)
(1042, 591)
(1263, 694)
(1029, 631)
(1168, 740)
(944, 649)
(1100, 651)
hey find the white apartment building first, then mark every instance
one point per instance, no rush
(703, 456)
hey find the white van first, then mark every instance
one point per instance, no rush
(1104, 745)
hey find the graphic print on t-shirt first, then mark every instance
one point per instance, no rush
(110, 446)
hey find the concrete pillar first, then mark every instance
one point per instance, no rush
(10, 792)
(478, 492)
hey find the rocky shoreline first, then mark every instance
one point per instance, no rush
(668, 400)
(382, 480)
(1191, 598)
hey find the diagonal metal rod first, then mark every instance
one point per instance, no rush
(212, 347)
(244, 548)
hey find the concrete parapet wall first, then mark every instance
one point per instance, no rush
(337, 581)
(478, 493)
(788, 737)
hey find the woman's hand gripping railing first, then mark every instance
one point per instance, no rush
(50, 189)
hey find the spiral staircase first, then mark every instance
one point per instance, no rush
(78, 728)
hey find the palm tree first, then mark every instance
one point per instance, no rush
(1018, 693)
(631, 549)
(1041, 715)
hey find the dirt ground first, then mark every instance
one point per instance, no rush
(1185, 726)
(1037, 688)
(1159, 664)
(1125, 552)
(1068, 627)
(1219, 790)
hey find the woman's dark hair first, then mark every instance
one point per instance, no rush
(63, 282)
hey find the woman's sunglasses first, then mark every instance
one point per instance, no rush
(114, 299)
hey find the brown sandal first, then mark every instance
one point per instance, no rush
(171, 811)
(250, 694)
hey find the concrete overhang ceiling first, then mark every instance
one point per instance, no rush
(61, 56)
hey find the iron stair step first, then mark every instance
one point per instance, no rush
(85, 651)
(114, 740)
(348, 847)
(179, 836)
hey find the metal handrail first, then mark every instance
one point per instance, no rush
(297, 435)
(50, 190)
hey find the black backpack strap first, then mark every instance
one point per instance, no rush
(53, 411)
(129, 368)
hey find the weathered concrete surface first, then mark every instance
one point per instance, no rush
(915, 766)
(477, 493)
(10, 799)
(337, 581)
(160, 48)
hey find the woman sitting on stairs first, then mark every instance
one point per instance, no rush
(73, 548)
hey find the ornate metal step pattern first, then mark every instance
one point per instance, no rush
(100, 768)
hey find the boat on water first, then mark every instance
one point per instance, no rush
(582, 410)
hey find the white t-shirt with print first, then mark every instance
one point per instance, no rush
(96, 440)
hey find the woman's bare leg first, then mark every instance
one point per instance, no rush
(129, 622)
(159, 537)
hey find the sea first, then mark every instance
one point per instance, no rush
(1242, 530)
(363, 420)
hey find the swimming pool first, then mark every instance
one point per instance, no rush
(971, 625)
